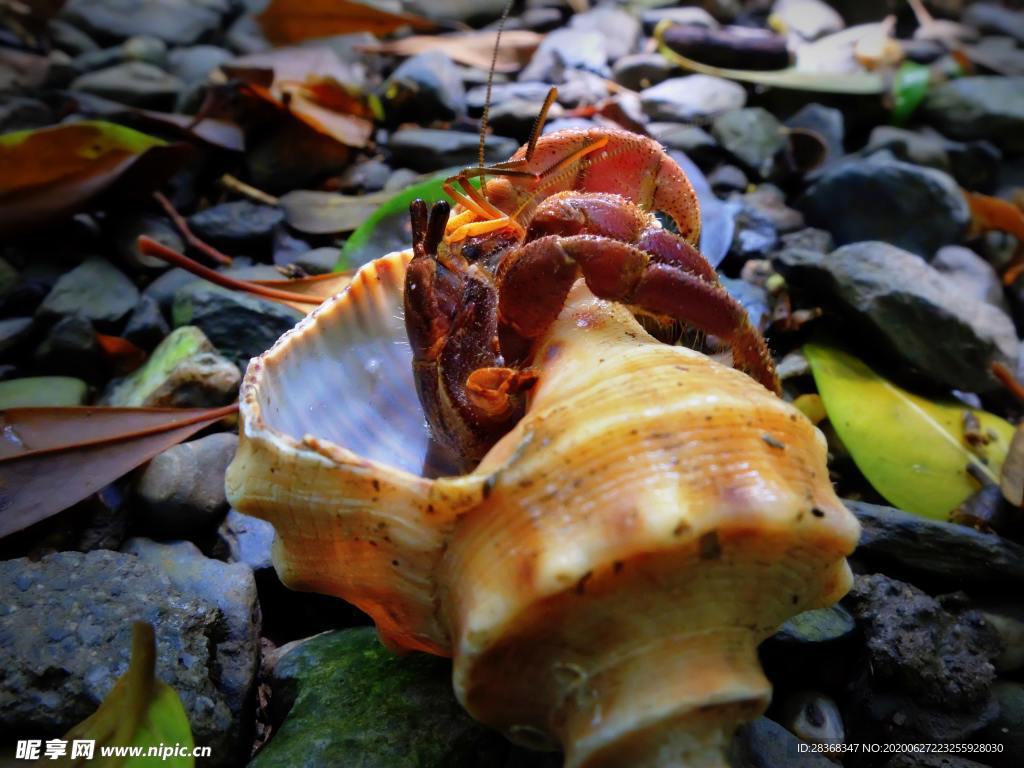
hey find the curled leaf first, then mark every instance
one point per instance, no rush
(54, 172)
(324, 213)
(914, 451)
(51, 458)
(292, 21)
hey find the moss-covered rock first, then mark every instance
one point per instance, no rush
(350, 702)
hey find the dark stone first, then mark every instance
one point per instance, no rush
(1008, 727)
(828, 123)
(178, 22)
(424, 88)
(95, 289)
(134, 82)
(426, 149)
(346, 700)
(239, 326)
(14, 331)
(763, 743)
(936, 554)
(770, 201)
(918, 209)
(20, 113)
(69, 349)
(642, 70)
(65, 627)
(975, 164)
(809, 239)
(980, 108)
(127, 230)
(237, 225)
(920, 315)
(146, 326)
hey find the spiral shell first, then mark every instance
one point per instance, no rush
(603, 578)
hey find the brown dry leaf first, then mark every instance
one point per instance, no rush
(324, 213)
(51, 458)
(474, 49)
(995, 214)
(292, 21)
(53, 172)
(124, 355)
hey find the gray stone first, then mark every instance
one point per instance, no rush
(245, 36)
(457, 10)
(183, 371)
(566, 49)
(974, 165)
(810, 239)
(180, 492)
(973, 273)
(20, 113)
(42, 392)
(936, 554)
(163, 288)
(918, 209)
(239, 325)
(69, 38)
(146, 326)
(921, 316)
(770, 201)
(699, 145)
(692, 98)
(367, 176)
(178, 22)
(238, 224)
(754, 233)
(95, 289)
(980, 108)
(127, 229)
(318, 261)
(1008, 728)
(752, 135)
(151, 50)
(14, 331)
(534, 92)
(726, 179)
(194, 64)
(826, 122)
(763, 743)
(642, 70)
(687, 16)
(619, 28)
(249, 540)
(754, 299)
(232, 589)
(991, 17)
(516, 117)
(134, 82)
(348, 701)
(424, 88)
(69, 348)
(428, 149)
(65, 627)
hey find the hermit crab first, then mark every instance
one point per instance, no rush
(479, 444)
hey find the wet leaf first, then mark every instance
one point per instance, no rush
(473, 49)
(53, 172)
(863, 83)
(324, 213)
(388, 228)
(912, 450)
(51, 458)
(909, 87)
(140, 711)
(292, 21)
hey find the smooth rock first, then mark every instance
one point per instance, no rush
(920, 315)
(69, 38)
(992, 17)
(345, 700)
(428, 149)
(127, 229)
(752, 135)
(697, 17)
(754, 299)
(69, 349)
(146, 326)
(232, 589)
(239, 325)
(810, 239)
(424, 88)
(808, 19)
(194, 64)
(619, 28)
(367, 176)
(566, 49)
(20, 113)
(828, 123)
(14, 331)
(134, 82)
(183, 371)
(699, 145)
(726, 179)
(693, 98)
(973, 273)
(534, 92)
(935, 554)
(65, 627)
(642, 70)
(180, 492)
(249, 541)
(988, 107)
(238, 224)
(770, 201)
(95, 289)
(457, 10)
(318, 261)
(975, 164)
(763, 743)
(917, 209)
(754, 233)
(42, 392)
(822, 625)
(931, 666)
(178, 22)
(163, 288)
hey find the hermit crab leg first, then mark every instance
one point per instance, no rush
(535, 279)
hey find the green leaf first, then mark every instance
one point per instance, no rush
(911, 449)
(387, 229)
(139, 711)
(909, 87)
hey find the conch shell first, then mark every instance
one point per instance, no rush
(603, 578)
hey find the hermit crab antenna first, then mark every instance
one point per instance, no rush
(490, 81)
(538, 124)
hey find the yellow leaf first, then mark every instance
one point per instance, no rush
(911, 449)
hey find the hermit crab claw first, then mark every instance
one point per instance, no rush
(603, 577)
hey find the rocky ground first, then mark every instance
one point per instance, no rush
(875, 241)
